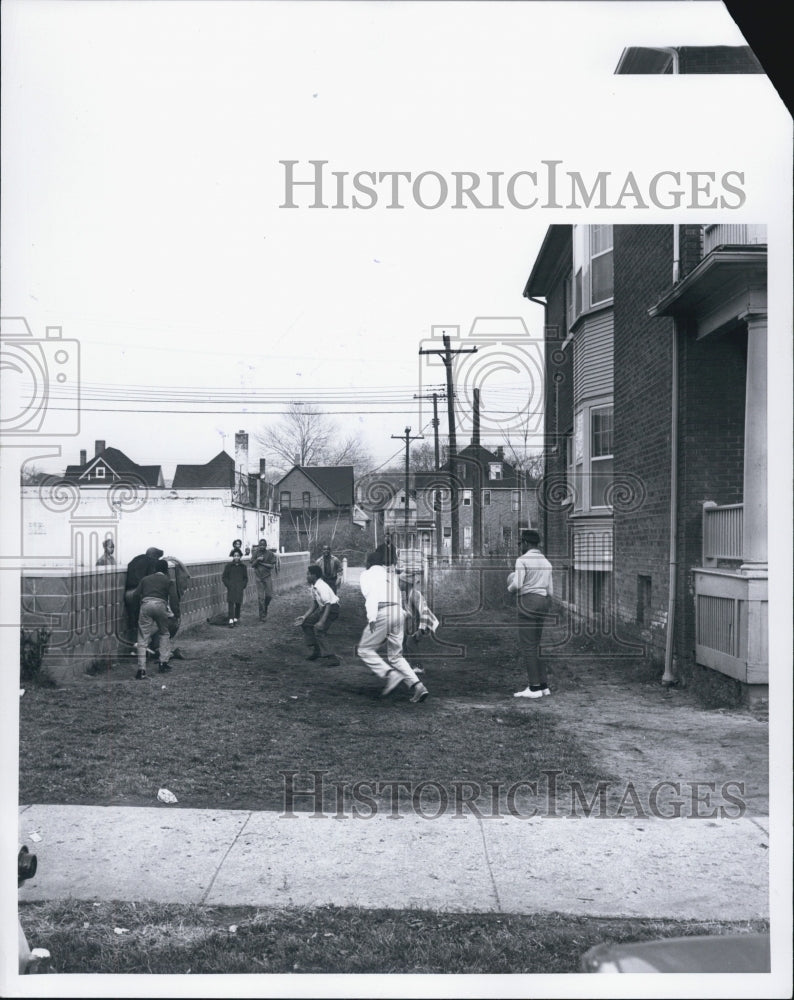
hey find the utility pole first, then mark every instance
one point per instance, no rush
(408, 439)
(476, 507)
(436, 493)
(446, 356)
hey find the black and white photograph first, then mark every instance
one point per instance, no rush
(396, 462)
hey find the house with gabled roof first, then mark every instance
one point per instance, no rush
(218, 473)
(67, 518)
(313, 499)
(110, 466)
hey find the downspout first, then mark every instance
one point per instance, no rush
(540, 302)
(668, 677)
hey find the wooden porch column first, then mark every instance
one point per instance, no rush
(754, 536)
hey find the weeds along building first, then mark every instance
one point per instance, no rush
(653, 504)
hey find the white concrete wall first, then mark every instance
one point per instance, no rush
(64, 527)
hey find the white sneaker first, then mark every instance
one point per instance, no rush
(393, 680)
(545, 691)
(526, 693)
(420, 693)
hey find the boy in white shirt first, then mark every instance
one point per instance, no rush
(532, 581)
(320, 617)
(386, 622)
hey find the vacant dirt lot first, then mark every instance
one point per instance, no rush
(245, 705)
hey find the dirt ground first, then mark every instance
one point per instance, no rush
(628, 724)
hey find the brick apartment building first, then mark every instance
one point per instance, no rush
(653, 502)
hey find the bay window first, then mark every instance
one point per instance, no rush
(592, 282)
(589, 457)
(600, 455)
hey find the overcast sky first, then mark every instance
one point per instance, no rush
(142, 185)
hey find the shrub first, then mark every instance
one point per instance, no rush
(32, 646)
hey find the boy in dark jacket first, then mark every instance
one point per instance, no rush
(158, 600)
(137, 569)
(235, 580)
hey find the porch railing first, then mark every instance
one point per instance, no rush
(722, 532)
(720, 235)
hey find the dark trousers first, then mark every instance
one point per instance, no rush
(316, 637)
(532, 612)
(234, 608)
(264, 593)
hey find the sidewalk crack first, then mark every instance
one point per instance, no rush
(488, 864)
(222, 862)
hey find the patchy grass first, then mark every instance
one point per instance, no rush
(246, 705)
(170, 939)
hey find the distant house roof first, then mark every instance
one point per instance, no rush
(477, 454)
(218, 473)
(112, 466)
(336, 481)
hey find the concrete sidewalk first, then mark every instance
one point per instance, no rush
(682, 868)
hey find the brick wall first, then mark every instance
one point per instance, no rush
(711, 449)
(710, 435)
(497, 516)
(553, 518)
(642, 394)
(85, 611)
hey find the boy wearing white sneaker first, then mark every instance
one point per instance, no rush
(385, 623)
(532, 582)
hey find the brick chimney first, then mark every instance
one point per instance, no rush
(83, 456)
(99, 446)
(262, 467)
(500, 452)
(475, 436)
(241, 452)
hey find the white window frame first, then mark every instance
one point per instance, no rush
(580, 472)
(466, 498)
(466, 536)
(495, 471)
(486, 498)
(515, 501)
(595, 459)
(595, 256)
(582, 300)
(99, 472)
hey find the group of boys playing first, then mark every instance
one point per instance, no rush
(382, 589)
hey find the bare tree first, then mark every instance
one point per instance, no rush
(32, 475)
(422, 459)
(305, 436)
